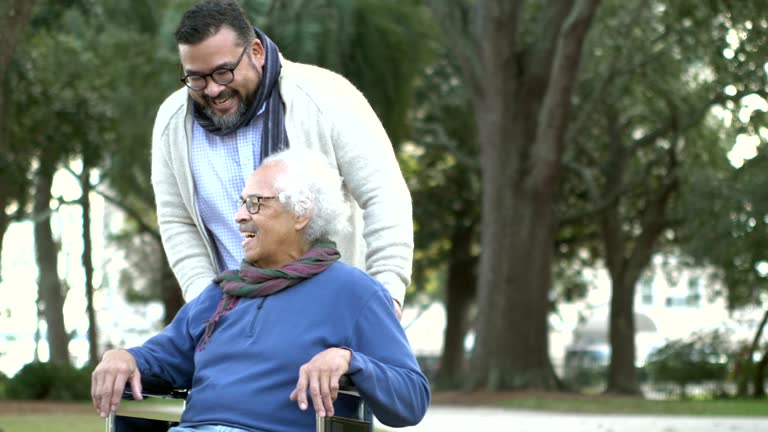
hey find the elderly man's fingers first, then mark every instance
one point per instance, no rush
(109, 378)
(320, 377)
(326, 392)
(299, 394)
(118, 387)
(101, 391)
(334, 385)
(104, 395)
(136, 385)
(398, 310)
(95, 395)
(315, 392)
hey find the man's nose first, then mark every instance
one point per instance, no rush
(242, 214)
(212, 88)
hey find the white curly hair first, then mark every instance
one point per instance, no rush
(307, 186)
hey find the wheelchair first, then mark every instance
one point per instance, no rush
(157, 388)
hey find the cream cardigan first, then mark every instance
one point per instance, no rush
(325, 112)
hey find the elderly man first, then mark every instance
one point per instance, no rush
(257, 341)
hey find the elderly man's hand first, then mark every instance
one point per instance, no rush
(108, 380)
(398, 310)
(321, 377)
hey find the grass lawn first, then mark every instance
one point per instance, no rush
(74, 417)
(51, 423)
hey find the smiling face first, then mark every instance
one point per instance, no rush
(274, 236)
(224, 104)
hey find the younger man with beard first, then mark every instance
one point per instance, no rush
(243, 102)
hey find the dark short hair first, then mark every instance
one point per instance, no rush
(206, 18)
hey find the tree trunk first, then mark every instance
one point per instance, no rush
(626, 257)
(622, 373)
(759, 374)
(49, 284)
(759, 378)
(511, 350)
(742, 373)
(746, 368)
(460, 291)
(5, 193)
(522, 97)
(85, 202)
(38, 335)
(14, 16)
(4, 219)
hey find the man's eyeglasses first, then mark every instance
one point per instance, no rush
(253, 202)
(221, 76)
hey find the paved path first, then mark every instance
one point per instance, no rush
(450, 419)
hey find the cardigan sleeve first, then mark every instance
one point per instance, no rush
(188, 256)
(370, 170)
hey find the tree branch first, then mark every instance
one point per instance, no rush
(462, 26)
(653, 220)
(541, 56)
(132, 213)
(553, 117)
(696, 116)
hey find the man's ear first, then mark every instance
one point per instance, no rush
(301, 222)
(257, 50)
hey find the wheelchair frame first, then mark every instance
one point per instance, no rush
(152, 387)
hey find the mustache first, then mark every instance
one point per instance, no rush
(248, 227)
(223, 94)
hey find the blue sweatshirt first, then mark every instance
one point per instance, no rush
(245, 374)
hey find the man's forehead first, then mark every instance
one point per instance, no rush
(262, 180)
(216, 49)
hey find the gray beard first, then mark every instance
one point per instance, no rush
(228, 120)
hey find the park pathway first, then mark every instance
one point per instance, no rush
(458, 419)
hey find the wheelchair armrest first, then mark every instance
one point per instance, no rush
(157, 387)
(347, 386)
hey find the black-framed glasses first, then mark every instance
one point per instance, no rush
(253, 202)
(221, 76)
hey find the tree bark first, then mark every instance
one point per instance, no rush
(521, 97)
(511, 350)
(14, 16)
(759, 375)
(460, 291)
(626, 260)
(85, 203)
(49, 285)
(622, 373)
(5, 221)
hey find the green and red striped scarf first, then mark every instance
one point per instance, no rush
(253, 282)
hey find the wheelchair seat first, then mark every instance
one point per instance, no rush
(158, 388)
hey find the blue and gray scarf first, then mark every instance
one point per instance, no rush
(274, 137)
